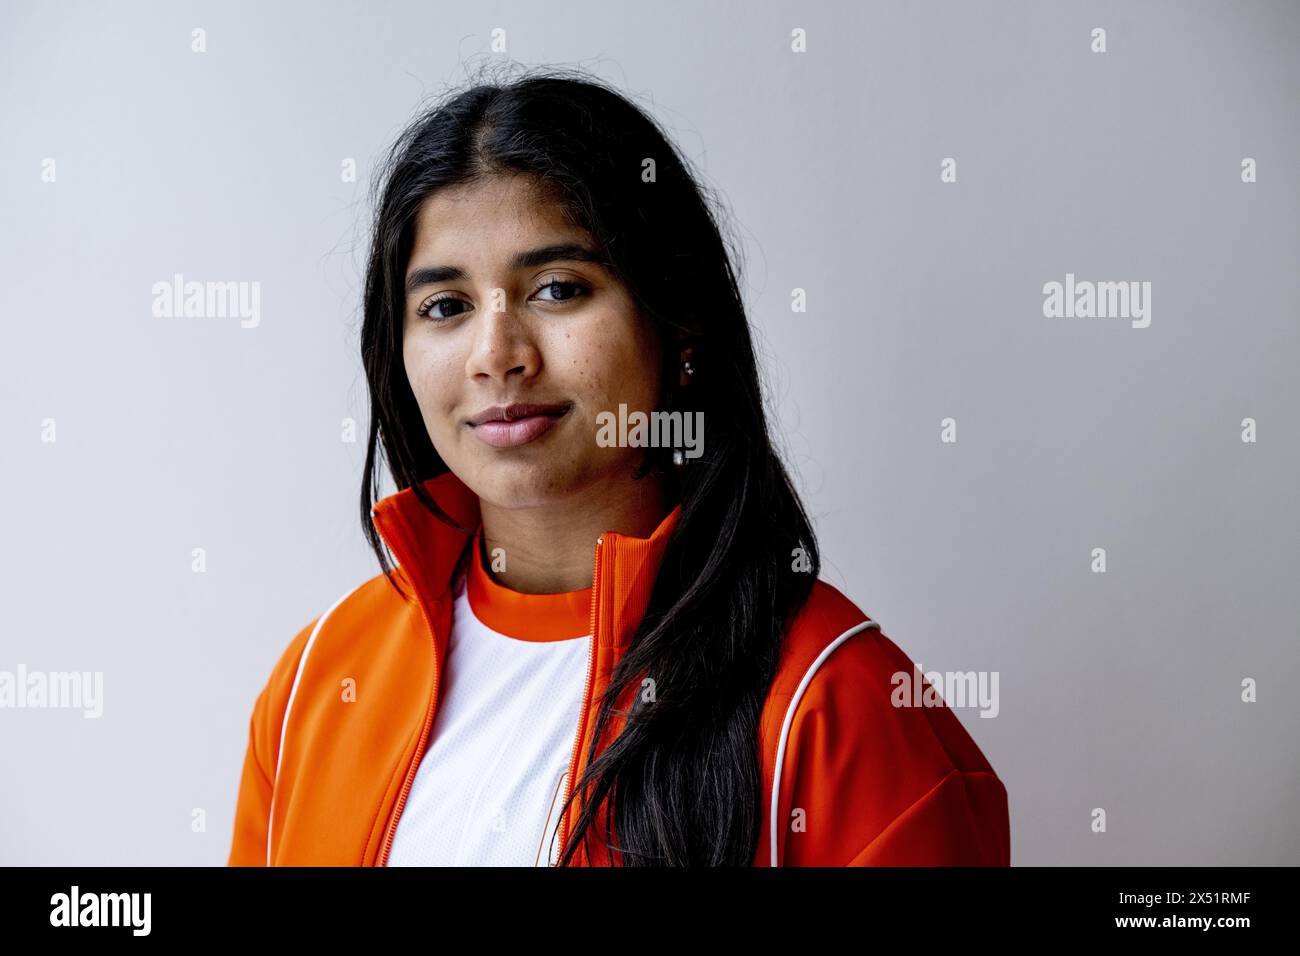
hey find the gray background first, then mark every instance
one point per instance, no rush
(1118, 690)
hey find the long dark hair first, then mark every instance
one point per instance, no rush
(682, 781)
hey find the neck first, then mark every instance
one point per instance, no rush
(549, 549)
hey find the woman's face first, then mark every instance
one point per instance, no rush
(509, 316)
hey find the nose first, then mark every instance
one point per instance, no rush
(503, 347)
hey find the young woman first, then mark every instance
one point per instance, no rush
(598, 643)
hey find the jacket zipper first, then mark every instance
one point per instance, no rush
(582, 712)
(419, 747)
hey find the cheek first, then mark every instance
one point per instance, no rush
(635, 374)
(614, 362)
(428, 369)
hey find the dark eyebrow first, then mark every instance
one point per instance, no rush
(559, 252)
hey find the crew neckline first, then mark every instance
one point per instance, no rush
(526, 617)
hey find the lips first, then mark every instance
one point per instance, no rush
(517, 410)
(506, 426)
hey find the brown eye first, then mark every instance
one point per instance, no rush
(432, 308)
(562, 291)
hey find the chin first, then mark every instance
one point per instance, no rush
(522, 486)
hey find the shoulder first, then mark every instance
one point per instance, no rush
(331, 631)
(843, 667)
(339, 620)
(854, 754)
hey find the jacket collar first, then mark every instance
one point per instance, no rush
(427, 550)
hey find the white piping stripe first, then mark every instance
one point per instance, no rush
(279, 755)
(789, 719)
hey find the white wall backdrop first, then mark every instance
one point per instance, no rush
(130, 440)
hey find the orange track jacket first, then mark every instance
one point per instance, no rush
(849, 779)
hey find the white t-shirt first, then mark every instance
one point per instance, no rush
(490, 784)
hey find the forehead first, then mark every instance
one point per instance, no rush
(488, 220)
